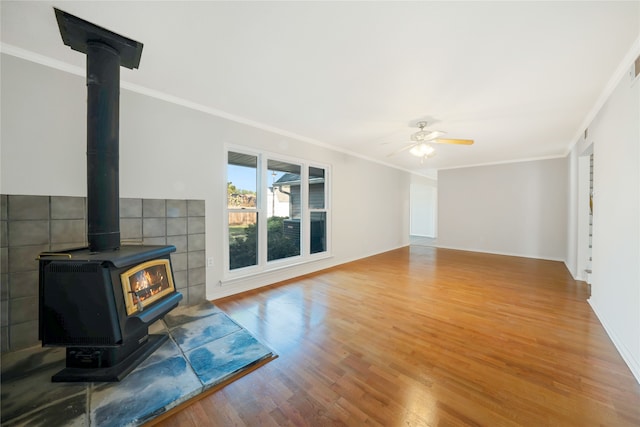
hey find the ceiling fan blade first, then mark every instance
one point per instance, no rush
(454, 141)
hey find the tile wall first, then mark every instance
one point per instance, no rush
(33, 224)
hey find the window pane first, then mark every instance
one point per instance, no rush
(283, 210)
(241, 180)
(318, 232)
(243, 239)
(316, 188)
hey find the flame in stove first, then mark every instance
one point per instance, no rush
(147, 283)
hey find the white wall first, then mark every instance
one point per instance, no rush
(615, 133)
(170, 151)
(424, 204)
(513, 209)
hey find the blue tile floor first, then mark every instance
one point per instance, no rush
(205, 349)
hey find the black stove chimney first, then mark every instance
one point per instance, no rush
(106, 52)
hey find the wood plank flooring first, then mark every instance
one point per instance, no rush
(422, 336)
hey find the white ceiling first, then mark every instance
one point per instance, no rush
(520, 78)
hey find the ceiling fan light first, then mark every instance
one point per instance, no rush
(421, 150)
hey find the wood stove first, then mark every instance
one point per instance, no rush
(87, 307)
(99, 301)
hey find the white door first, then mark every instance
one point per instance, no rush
(423, 201)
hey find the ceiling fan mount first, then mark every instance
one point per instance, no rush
(422, 140)
(425, 135)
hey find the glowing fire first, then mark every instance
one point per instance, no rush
(149, 282)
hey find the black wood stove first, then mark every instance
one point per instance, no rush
(99, 301)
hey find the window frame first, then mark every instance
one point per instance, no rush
(302, 197)
(324, 209)
(257, 209)
(262, 184)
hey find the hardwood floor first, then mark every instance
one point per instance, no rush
(423, 336)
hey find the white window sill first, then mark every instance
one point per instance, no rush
(251, 273)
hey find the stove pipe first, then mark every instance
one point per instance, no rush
(103, 124)
(106, 53)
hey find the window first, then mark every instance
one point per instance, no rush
(283, 225)
(317, 210)
(276, 211)
(242, 209)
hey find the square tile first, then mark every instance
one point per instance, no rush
(4, 286)
(197, 276)
(195, 207)
(68, 230)
(131, 229)
(176, 226)
(180, 242)
(4, 235)
(64, 207)
(154, 208)
(4, 339)
(24, 284)
(196, 259)
(154, 227)
(197, 242)
(179, 261)
(202, 331)
(28, 207)
(130, 208)
(218, 360)
(4, 215)
(23, 309)
(25, 233)
(23, 258)
(195, 225)
(180, 280)
(4, 260)
(4, 313)
(176, 208)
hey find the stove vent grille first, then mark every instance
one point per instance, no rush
(74, 268)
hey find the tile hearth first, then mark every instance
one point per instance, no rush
(205, 349)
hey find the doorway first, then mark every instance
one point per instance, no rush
(423, 200)
(585, 213)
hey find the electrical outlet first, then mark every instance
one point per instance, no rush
(210, 262)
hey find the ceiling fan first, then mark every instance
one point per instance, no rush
(420, 145)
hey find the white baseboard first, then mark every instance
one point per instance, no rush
(499, 253)
(627, 356)
(579, 275)
(255, 281)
